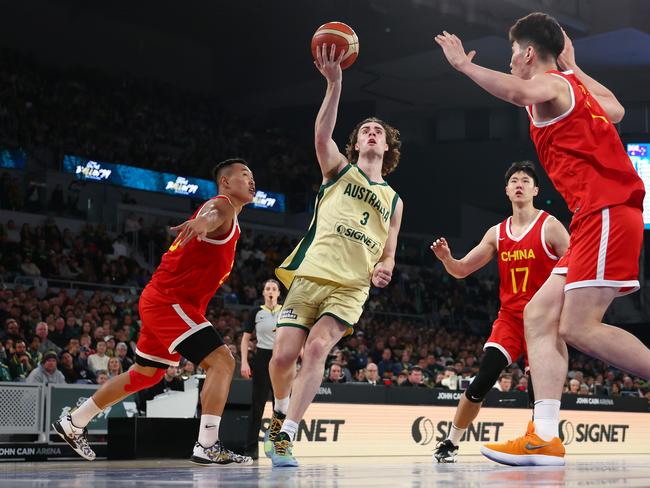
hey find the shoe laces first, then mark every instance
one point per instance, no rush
(283, 447)
(276, 425)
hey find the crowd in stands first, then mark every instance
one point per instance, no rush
(57, 336)
(47, 251)
(89, 337)
(141, 123)
(426, 329)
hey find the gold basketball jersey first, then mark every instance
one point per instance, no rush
(347, 233)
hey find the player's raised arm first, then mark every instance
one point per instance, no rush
(539, 89)
(475, 259)
(567, 61)
(330, 159)
(383, 271)
(213, 215)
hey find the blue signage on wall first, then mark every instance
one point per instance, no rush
(149, 180)
(12, 158)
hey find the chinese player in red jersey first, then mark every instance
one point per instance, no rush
(172, 309)
(572, 119)
(527, 245)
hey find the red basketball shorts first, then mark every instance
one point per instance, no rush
(604, 250)
(165, 326)
(508, 336)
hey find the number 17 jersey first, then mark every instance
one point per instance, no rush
(525, 263)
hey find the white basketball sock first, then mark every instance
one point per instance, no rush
(209, 430)
(547, 418)
(455, 434)
(281, 405)
(290, 428)
(85, 413)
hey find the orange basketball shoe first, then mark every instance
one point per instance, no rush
(528, 450)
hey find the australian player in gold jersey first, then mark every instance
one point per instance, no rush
(350, 243)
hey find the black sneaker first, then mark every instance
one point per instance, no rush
(217, 455)
(76, 438)
(445, 452)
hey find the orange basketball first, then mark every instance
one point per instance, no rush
(340, 34)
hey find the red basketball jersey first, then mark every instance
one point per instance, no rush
(584, 156)
(193, 273)
(525, 262)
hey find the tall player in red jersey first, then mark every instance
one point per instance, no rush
(527, 246)
(572, 119)
(172, 310)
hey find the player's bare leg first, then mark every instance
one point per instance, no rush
(72, 428)
(547, 353)
(581, 326)
(548, 358)
(282, 369)
(466, 412)
(322, 337)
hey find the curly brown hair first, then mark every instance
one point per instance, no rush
(391, 158)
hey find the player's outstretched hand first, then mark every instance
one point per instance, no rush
(454, 52)
(441, 249)
(567, 58)
(328, 63)
(188, 230)
(381, 276)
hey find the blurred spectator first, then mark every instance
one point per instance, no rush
(121, 350)
(101, 376)
(188, 369)
(629, 389)
(99, 360)
(67, 367)
(402, 378)
(372, 374)
(335, 374)
(5, 374)
(33, 349)
(574, 386)
(450, 379)
(505, 382)
(387, 367)
(114, 367)
(522, 385)
(47, 371)
(360, 376)
(415, 378)
(20, 364)
(12, 331)
(61, 333)
(29, 268)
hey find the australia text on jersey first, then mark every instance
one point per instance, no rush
(368, 196)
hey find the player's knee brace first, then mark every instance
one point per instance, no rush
(491, 366)
(139, 381)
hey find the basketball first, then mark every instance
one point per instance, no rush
(340, 34)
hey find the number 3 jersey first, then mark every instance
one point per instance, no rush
(525, 263)
(347, 233)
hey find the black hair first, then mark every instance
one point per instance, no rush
(217, 171)
(527, 167)
(541, 31)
